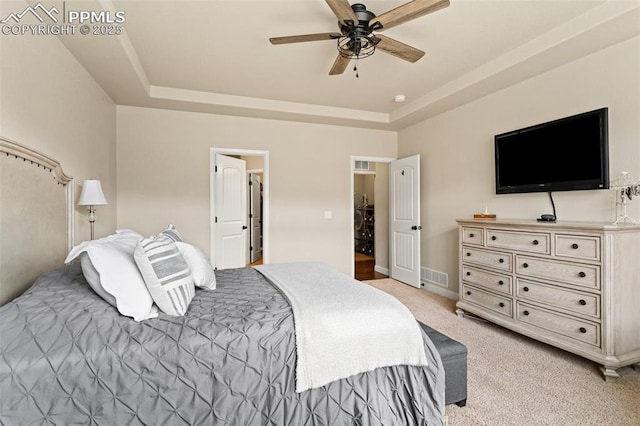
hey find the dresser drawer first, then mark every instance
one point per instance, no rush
(491, 259)
(570, 300)
(489, 280)
(501, 305)
(571, 273)
(532, 242)
(472, 235)
(572, 328)
(578, 247)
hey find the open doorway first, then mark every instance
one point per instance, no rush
(399, 255)
(255, 207)
(239, 216)
(370, 206)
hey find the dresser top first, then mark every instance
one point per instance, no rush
(560, 224)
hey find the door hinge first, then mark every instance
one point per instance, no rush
(216, 169)
(250, 216)
(250, 182)
(216, 219)
(251, 248)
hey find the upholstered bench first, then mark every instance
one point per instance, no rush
(454, 359)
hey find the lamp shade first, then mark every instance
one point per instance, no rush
(91, 194)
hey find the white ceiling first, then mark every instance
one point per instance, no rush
(214, 56)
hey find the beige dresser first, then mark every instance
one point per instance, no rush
(574, 285)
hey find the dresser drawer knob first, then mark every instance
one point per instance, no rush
(468, 254)
(526, 312)
(525, 265)
(526, 289)
(501, 260)
(501, 304)
(471, 235)
(468, 273)
(501, 282)
(535, 242)
(582, 302)
(574, 246)
(468, 293)
(583, 330)
(582, 274)
(493, 237)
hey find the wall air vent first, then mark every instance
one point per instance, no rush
(434, 277)
(364, 167)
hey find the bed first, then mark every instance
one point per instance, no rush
(70, 357)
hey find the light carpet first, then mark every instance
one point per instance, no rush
(515, 380)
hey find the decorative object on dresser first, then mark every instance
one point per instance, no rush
(484, 215)
(573, 285)
(625, 188)
(92, 196)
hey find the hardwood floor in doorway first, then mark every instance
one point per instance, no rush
(365, 268)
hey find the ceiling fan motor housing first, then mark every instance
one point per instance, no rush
(357, 40)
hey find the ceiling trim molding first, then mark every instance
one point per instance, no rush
(547, 51)
(576, 27)
(271, 105)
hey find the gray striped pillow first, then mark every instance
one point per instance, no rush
(166, 274)
(171, 232)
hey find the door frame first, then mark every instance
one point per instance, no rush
(353, 160)
(265, 195)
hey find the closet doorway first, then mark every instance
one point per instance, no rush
(397, 235)
(370, 206)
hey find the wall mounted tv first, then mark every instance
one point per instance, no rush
(562, 155)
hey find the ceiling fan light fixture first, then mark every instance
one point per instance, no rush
(357, 47)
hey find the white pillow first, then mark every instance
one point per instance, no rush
(93, 278)
(166, 274)
(201, 269)
(111, 259)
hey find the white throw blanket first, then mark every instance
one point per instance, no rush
(343, 327)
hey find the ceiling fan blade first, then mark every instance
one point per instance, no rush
(304, 37)
(408, 11)
(339, 65)
(342, 9)
(398, 49)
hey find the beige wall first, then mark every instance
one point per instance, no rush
(50, 103)
(457, 148)
(163, 177)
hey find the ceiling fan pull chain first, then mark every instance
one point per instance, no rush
(355, 67)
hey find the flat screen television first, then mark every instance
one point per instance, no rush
(562, 155)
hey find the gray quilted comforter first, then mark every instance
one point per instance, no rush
(67, 357)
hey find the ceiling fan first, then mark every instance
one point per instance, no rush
(356, 39)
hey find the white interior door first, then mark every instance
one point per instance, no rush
(404, 204)
(255, 218)
(230, 212)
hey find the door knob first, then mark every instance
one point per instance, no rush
(244, 226)
(416, 227)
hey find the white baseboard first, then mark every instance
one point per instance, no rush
(381, 270)
(433, 288)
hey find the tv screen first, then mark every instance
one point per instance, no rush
(562, 155)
